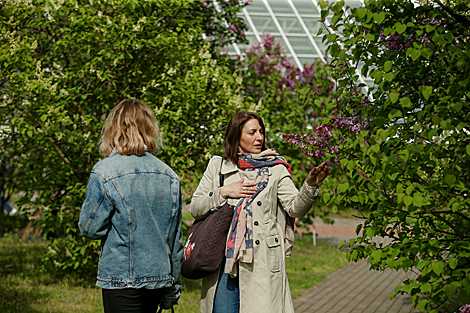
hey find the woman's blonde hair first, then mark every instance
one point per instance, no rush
(130, 128)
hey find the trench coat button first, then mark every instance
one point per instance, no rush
(257, 242)
(256, 223)
(276, 240)
(258, 203)
(210, 194)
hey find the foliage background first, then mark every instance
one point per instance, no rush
(403, 145)
(65, 64)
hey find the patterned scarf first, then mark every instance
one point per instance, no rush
(240, 241)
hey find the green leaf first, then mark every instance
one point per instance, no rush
(430, 28)
(425, 287)
(468, 149)
(450, 290)
(457, 106)
(446, 124)
(422, 304)
(406, 102)
(370, 232)
(331, 37)
(410, 189)
(453, 263)
(438, 267)
(379, 17)
(361, 12)
(388, 77)
(388, 66)
(394, 113)
(426, 52)
(393, 96)
(450, 179)
(400, 28)
(418, 199)
(323, 4)
(343, 187)
(426, 91)
(407, 200)
(326, 197)
(415, 54)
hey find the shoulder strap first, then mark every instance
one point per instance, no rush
(221, 176)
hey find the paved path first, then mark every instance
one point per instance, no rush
(354, 288)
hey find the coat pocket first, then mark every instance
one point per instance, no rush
(274, 253)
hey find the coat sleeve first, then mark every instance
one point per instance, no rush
(207, 198)
(175, 244)
(296, 203)
(94, 218)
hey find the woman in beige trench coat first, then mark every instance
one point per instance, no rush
(254, 278)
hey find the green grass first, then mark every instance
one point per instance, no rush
(25, 288)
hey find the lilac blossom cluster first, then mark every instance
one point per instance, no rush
(465, 309)
(323, 139)
(268, 61)
(398, 41)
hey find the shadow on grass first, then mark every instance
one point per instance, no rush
(13, 300)
(24, 286)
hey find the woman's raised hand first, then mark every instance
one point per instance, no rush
(318, 174)
(238, 189)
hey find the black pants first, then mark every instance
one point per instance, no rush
(131, 300)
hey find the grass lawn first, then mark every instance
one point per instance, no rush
(25, 288)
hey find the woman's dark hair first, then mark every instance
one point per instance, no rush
(234, 132)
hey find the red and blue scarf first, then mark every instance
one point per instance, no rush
(240, 241)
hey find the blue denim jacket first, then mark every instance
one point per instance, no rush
(133, 204)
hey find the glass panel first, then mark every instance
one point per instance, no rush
(251, 41)
(256, 6)
(320, 45)
(250, 30)
(290, 25)
(280, 6)
(231, 49)
(313, 25)
(301, 45)
(309, 61)
(353, 4)
(264, 24)
(305, 7)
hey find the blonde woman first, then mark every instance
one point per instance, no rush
(133, 204)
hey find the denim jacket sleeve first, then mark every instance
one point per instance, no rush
(175, 245)
(96, 210)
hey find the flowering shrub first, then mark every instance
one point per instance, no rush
(406, 149)
(64, 64)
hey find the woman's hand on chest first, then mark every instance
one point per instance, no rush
(238, 190)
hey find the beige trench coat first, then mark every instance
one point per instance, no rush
(263, 284)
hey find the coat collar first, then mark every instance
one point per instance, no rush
(228, 167)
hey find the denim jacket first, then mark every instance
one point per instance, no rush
(133, 204)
